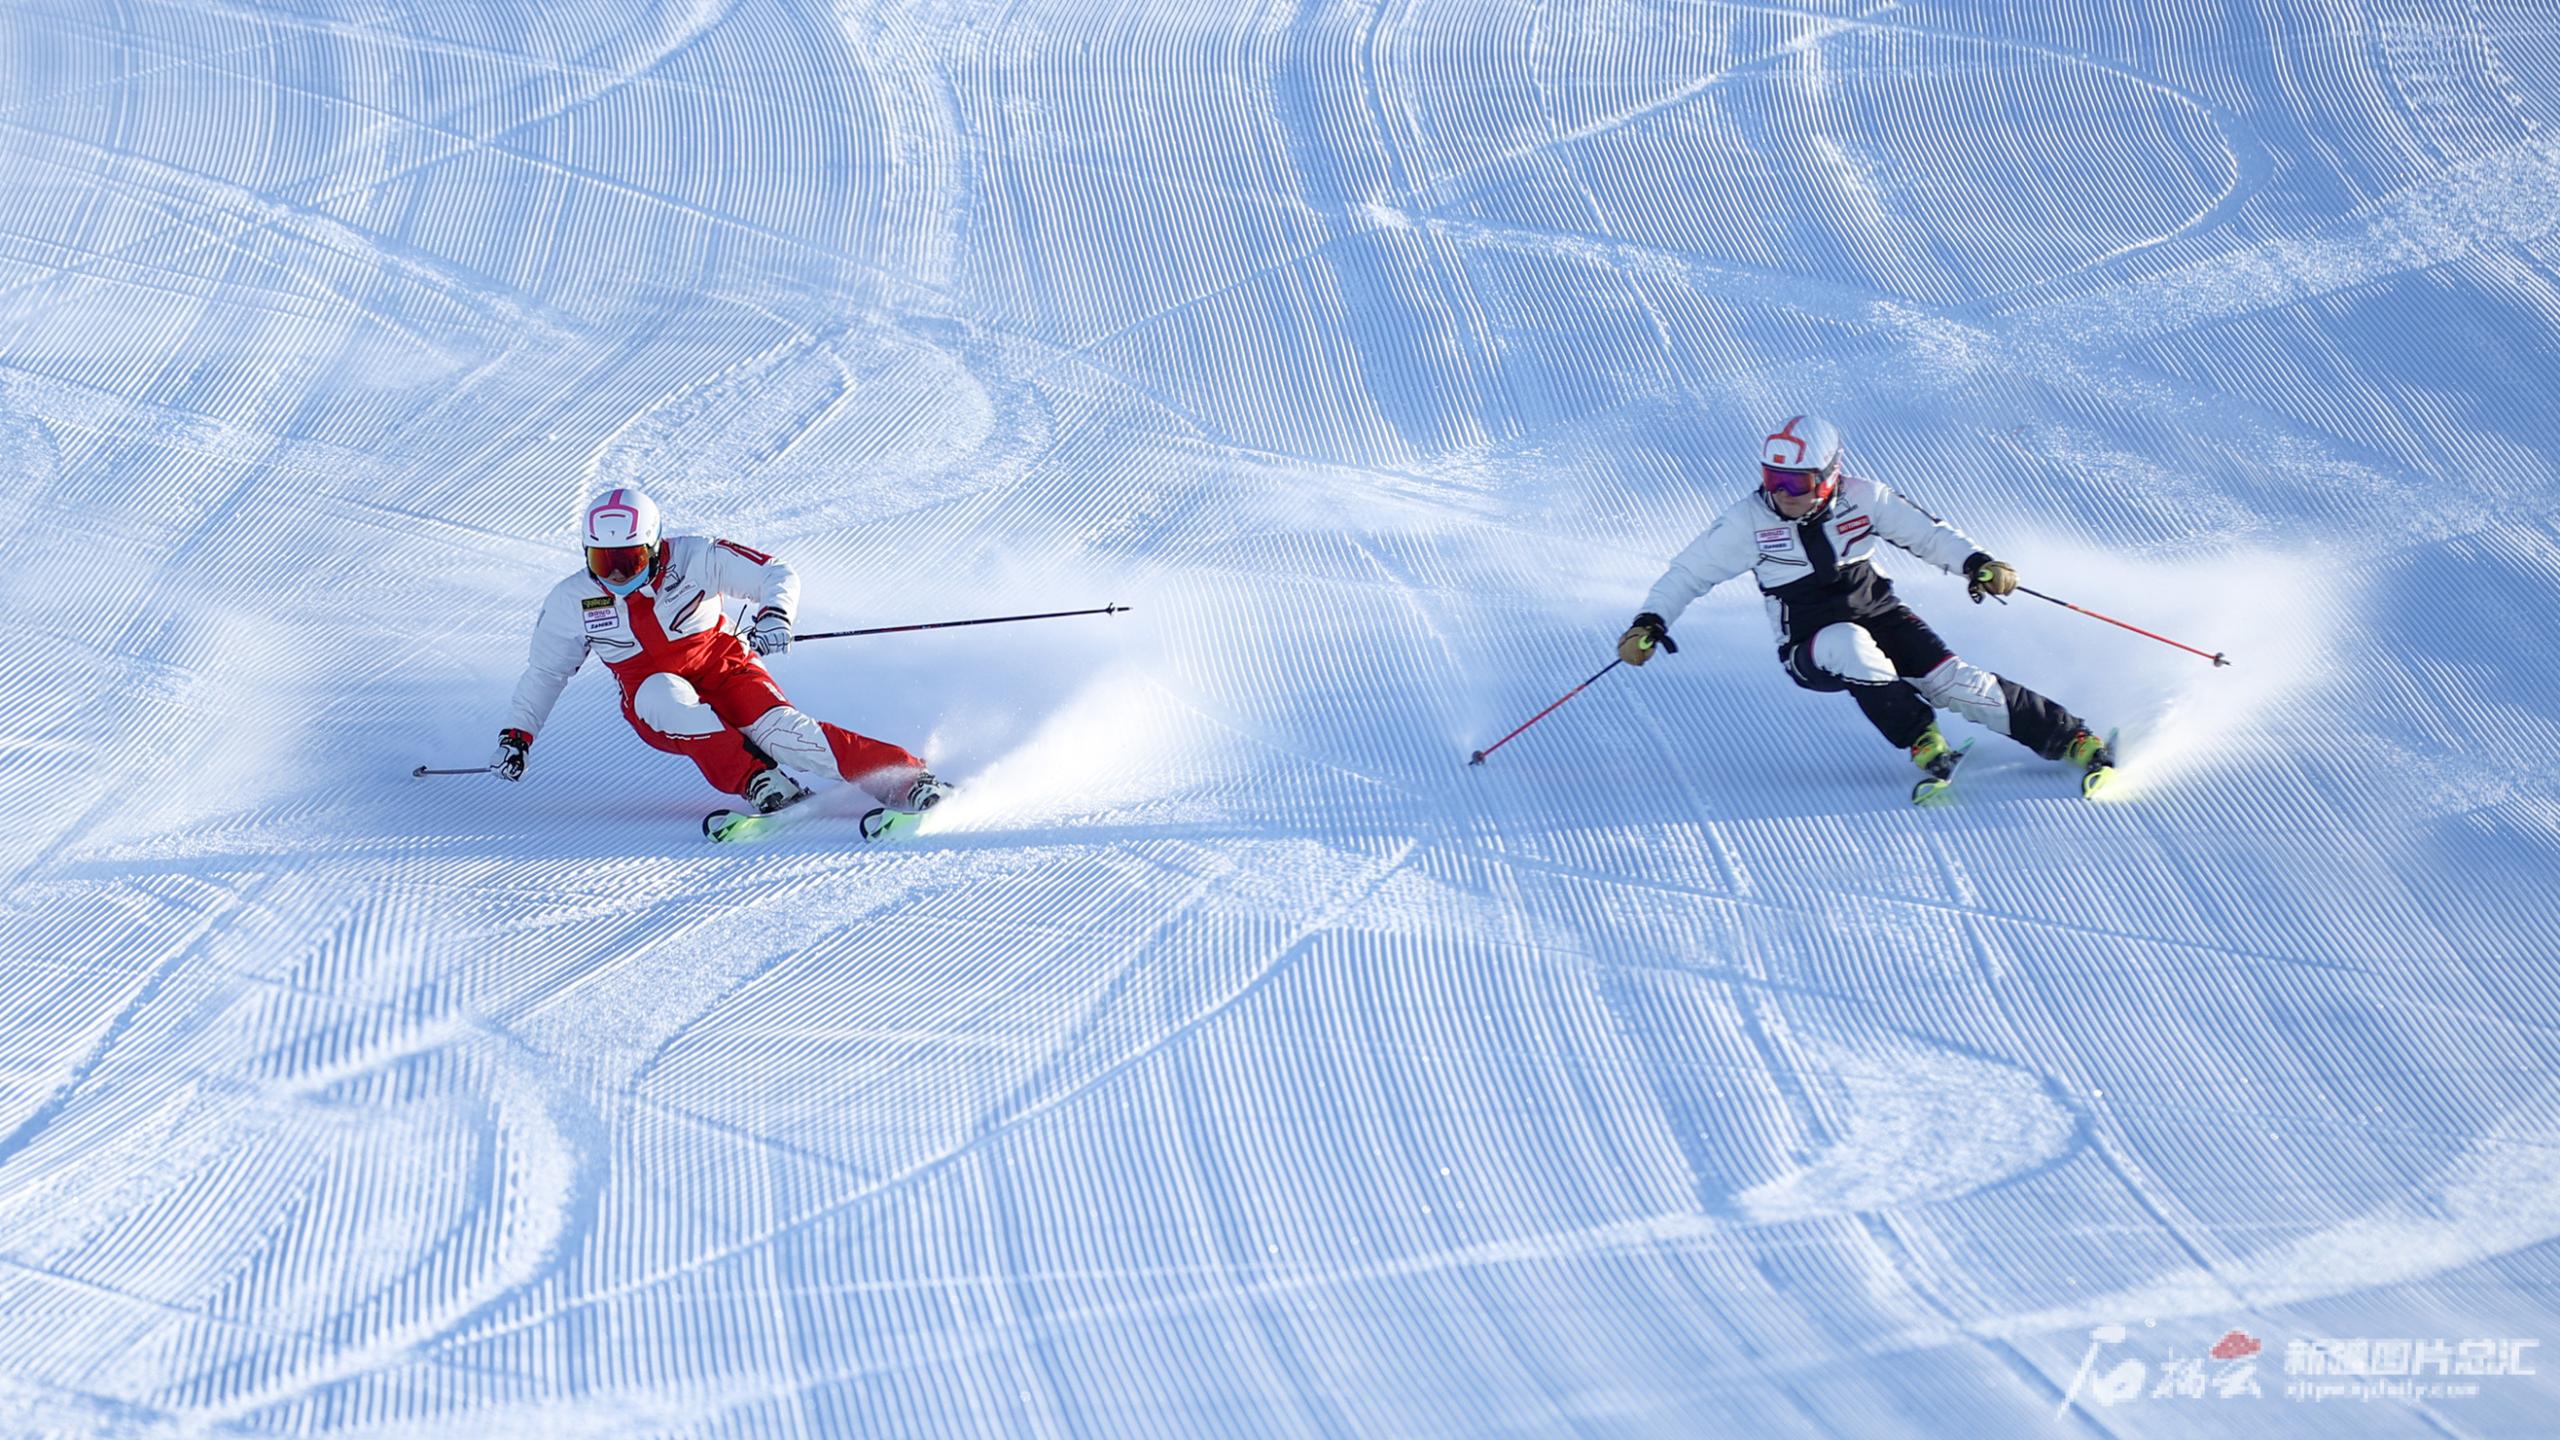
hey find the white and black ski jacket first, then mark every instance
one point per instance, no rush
(1815, 571)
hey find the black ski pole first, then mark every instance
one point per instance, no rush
(1111, 609)
(424, 770)
(1478, 757)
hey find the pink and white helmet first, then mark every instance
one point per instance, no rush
(622, 536)
(1802, 457)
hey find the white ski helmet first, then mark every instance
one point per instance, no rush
(1802, 457)
(623, 533)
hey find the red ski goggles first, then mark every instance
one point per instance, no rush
(615, 564)
(1781, 480)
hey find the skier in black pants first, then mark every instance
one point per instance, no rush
(1808, 534)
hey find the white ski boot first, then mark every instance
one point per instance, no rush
(923, 793)
(769, 789)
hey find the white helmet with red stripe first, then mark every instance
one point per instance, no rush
(1802, 457)
(623, 534)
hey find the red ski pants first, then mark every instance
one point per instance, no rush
(704, 691)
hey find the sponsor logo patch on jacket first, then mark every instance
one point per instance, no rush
(599, 611)
(1772, 541)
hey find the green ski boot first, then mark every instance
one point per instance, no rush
(1932, 753)
(2096, 759)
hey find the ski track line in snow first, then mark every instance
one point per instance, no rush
(252, 213)
(1645, 1236)
(305, 1085)
(2242, 173)
(28, 1130)
(2494, 1199)
(2504, 199)
(257, 211)
(532, 1243)
(1954, 911)
(989, 1131)
(1807, 52)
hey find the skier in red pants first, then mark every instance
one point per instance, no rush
(652, 606)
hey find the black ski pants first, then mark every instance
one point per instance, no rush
(1899, 708)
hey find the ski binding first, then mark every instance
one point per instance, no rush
(1933, 787)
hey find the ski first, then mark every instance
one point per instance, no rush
(1934, 787)
(879, 823)
(885, 823)
(732, 825)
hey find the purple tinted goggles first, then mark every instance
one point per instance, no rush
(1782, 480)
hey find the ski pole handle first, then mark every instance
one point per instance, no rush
(2213, 656)
(1114, 608)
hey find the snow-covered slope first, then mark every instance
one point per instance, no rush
(1235, 1061)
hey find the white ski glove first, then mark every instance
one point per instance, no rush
(508, 763)
(771, 633)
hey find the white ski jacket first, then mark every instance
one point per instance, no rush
(650, 624)
(1812, 571)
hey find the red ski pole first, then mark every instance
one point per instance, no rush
(1478, 757)
(2136, 629)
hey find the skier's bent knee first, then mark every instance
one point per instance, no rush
(670, 705)
(1848, 651)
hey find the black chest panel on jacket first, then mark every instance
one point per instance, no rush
(1830, 592)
